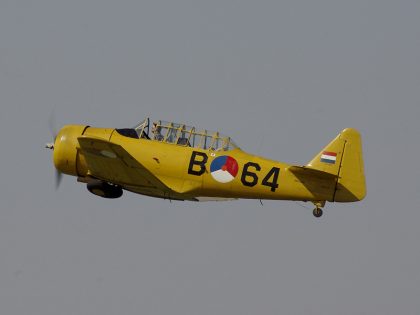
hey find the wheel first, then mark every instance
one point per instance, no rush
(317, 212)
(104, 190)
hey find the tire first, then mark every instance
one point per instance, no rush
(104, 190)
(317, 212)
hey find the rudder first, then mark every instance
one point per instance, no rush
(351, 184)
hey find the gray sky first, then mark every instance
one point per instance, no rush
(281, 78)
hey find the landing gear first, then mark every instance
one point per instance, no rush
(104, 189)
(318, 211)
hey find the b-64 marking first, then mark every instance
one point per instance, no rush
(178, 162)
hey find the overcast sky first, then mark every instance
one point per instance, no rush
(282, 78)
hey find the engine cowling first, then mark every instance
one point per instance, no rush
(68, 159)
(65, 149)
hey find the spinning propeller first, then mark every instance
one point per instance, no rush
(53, 132)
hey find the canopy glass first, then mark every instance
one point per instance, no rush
(184, 135)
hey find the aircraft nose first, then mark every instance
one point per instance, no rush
(65, 149)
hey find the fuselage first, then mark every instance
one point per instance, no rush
(190, 173)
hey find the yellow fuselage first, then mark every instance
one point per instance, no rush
(187, 171)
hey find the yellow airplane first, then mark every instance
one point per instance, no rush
(178, 162)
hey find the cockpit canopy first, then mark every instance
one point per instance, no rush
(183, 135)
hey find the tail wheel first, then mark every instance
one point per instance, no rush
(104, 189)
(317, 212)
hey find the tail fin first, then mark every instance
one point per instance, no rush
(343, 157)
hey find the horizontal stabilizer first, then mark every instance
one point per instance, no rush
(304, 170)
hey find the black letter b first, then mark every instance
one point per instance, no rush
(201, 163)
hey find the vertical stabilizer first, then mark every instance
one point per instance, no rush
(343, 157)
(329, 159)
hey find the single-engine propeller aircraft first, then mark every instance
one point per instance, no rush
(178, 162)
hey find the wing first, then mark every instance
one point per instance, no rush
(111, 162)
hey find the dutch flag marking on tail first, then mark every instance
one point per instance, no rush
(328, 157)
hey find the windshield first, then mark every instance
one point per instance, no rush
(142, 128)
